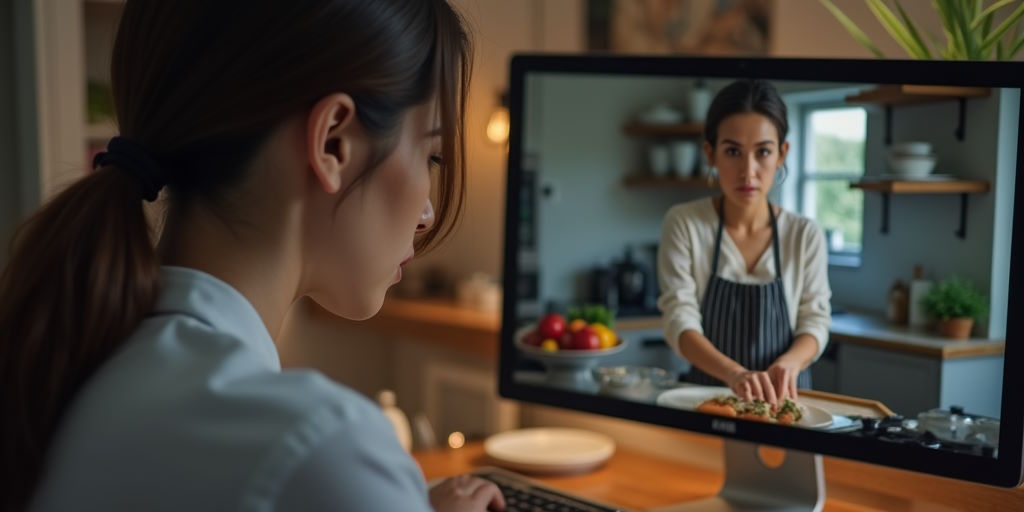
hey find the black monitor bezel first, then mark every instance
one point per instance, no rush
(1006, 470)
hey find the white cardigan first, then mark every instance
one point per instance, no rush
(684, 267)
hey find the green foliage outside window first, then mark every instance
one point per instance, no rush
(837, 207)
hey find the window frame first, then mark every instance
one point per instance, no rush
(850, 259)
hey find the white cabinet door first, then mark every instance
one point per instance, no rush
(905, 383)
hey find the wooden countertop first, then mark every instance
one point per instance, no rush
(640, 481)
(475, 332)
(438, 321)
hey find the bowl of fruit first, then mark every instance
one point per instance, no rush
(570, 346)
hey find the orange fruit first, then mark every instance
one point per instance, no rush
(549, 345)
(577, 324)
(606, 335)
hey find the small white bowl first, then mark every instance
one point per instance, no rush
(912, 165)
(911, 148)
(661, 113)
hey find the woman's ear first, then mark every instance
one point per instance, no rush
(331, 135)
(709, 153)
(783, 151)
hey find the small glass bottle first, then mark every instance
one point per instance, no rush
(899, 302)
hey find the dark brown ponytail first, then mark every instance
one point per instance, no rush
(82, 274)
(198, 86)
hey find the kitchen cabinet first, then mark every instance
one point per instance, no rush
(910, 384)
(911, 371)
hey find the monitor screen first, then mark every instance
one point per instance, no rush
(810, 254)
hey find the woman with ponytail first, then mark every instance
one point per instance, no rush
(294, 145)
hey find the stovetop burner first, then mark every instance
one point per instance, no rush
(896, 429)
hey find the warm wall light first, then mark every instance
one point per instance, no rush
(456, 440)
(498, 124)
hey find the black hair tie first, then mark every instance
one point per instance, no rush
(128, 156)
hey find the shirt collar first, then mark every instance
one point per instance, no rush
(202, 296)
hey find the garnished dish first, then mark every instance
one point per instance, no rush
(786, 413)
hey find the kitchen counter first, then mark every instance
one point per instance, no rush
(445, 323)
(869, 330)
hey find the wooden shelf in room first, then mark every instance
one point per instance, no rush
(441, 322)
(678, 130)
(923, 187)
(913, 94)
(888, 187)
(668, 182)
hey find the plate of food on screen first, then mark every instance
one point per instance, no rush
(722, 401)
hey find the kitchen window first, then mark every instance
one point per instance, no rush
(830, 156)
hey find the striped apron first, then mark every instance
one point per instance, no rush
(749, 323)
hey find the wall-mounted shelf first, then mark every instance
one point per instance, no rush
(675, 130)
(888, 187)
(668, 182)
(897, 95)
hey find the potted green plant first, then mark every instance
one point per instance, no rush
(969, 27)
(955, 304)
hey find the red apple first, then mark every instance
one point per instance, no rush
(566, 341)
(586, 339)
(552, 326)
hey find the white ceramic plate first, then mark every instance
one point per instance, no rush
(690, 397)
(549, 450)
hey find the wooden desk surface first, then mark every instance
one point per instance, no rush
(638, 481)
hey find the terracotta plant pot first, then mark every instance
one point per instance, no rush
(956, 328)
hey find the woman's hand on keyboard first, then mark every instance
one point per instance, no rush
(466, 493)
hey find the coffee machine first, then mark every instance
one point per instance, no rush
(628, 285)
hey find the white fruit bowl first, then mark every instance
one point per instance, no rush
(567, 368)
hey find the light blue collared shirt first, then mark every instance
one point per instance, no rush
(194, 413)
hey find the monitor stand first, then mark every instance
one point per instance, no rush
(796, 485)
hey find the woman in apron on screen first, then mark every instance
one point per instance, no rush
(745, 293)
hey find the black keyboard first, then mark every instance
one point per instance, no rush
(523, 495)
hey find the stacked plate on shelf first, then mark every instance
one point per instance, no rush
(912, 160)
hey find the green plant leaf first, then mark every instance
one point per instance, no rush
(1014, 43)
(990, 10)
(954, 42)
(997, 34)
(999, 50)
(852, 28)
(955, 298)
(913, 31)
(985, 29)
(896, 29)
(970, 44)
(1015, 48)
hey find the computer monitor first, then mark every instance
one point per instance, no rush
(908, 171)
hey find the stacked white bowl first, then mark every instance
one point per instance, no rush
(911, 159)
